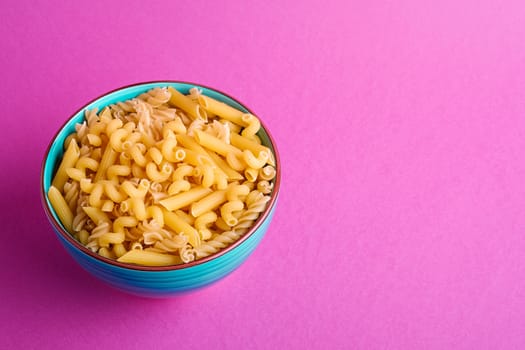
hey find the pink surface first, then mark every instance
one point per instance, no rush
(401, 128)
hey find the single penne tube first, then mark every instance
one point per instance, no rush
(96, 215)
(215, 144)
(190, 143)
(185, 198)
(221, 109)
(223, 165)
(68, 161)
(148, 258)
(208, 203)
(108, 159)
(243, 143)
(61, 207)
(178, 224)
(185, 103)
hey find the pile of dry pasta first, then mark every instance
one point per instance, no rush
(163, 179)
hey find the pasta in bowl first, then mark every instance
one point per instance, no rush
(162, 187)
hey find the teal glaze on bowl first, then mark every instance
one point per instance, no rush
(166, 280)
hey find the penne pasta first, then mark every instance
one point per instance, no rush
(214, 144)
(68, 161)
(187, 105)
(148, 258)
(184, 199)
(208, 203)
(223, 110)
(61, 207)
(108, 158)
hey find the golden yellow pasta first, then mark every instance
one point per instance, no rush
(162, 179)
(186, 104)
(185, 198)
(70, 158)
(61, 208)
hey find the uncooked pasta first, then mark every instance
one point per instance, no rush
(163, 178)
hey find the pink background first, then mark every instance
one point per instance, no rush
(401, 128)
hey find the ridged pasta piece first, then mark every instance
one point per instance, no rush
(71, 192)
(97, 232)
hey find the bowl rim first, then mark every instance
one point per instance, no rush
(81, 248)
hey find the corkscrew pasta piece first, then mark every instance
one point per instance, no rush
(163, 178)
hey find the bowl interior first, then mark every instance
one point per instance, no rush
(56, 150)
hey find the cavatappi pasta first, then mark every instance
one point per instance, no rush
(163, 178)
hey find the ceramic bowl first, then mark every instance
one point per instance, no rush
(155, 281)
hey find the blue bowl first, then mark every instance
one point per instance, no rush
(154, 281)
